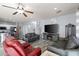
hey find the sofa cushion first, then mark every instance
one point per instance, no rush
(72, 43)
(15, 45)
(29, 49)
(25, 45)
(60, 44)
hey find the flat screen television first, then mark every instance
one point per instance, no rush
(3, 28)
(53, 28)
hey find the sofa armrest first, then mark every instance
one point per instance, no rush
(56, 50)
(35, 52)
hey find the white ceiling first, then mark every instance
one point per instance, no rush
(41, 11)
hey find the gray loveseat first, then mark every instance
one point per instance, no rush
(31, 37)
(60, 47)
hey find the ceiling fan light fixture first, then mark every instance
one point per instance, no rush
(20, 11)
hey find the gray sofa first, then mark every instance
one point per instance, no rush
(60, 47)
(31, 37)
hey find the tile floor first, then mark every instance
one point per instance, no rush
(1, 51)
(42, 44)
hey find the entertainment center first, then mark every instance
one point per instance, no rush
(51, 32)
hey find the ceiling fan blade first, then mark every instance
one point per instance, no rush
(24, 14)
(8, 6)
(22, 8)
(18, 7)
(59, 11)
(15, 13)
(29, 11)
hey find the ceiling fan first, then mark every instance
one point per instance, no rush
(20, 9)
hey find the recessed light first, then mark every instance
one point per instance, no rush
(55, 8)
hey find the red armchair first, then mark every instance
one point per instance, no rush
(13, 47)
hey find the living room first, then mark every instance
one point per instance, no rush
(50, 29)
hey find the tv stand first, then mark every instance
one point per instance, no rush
(51, 36)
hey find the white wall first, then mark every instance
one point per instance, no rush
(30, 26)
(77, 23)
(64, 20)
(39, 27)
